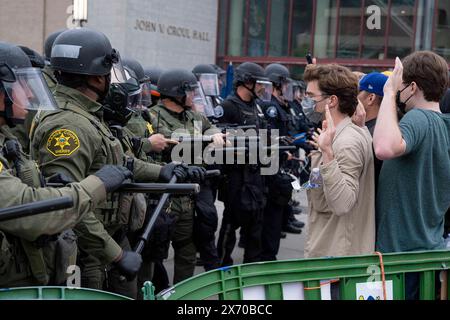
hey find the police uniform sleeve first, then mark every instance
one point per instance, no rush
(95, 240)
(144, 171)
(230, 113)
(68, 148)
(86, 195)
(208, 127)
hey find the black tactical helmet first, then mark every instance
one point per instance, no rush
(37, 61)
(175, 82)
(249, 72)
(277, 74)
(153, 73)
(11, 57)
(21, 85)
(299, 84)
(136, 67)
(83, 51)
(48, 44)
(219, 70)
(204, 68)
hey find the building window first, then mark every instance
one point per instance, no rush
(401, 28)
(236, 28)
(301, 28)
(257, 28)
(373, 43)
(442, 39)
(221, 28)
(279, 28)
(325, 28)
(349, 33)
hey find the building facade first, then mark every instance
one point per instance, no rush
(170, 34)
(362, 34)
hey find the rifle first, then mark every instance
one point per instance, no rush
(35, 208)
(145, 236)
(143, 239)
(156, 188)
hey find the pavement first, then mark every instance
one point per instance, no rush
(290, 248)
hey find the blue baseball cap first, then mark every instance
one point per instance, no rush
(373, 83)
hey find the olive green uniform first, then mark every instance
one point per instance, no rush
(166, 122)
(75, 141)
(30, 252)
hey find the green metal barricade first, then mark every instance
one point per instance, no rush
(57, 293)
(370, 277)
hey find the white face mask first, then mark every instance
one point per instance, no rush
(309, 108)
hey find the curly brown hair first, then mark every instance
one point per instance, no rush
(429, 71)
(337, 80)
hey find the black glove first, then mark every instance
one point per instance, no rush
(129, 264)
(171, 169)
(196, 174)
(113, 176)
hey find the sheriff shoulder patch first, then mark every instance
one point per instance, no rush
(150, 128)
(63, 142)
(1, 166)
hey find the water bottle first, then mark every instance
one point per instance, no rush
(315, 180)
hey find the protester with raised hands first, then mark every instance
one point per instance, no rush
(342, 207)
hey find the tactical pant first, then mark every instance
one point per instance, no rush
(157, 247)
(205, 226)
(251, 226)
(94, 274)
(287, 214)
(116, 283)
(272, 225)
(182, 239)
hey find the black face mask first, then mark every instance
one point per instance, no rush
(402, 105)
(101, 94)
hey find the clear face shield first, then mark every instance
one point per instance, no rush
(29, 90)
(287, 90)
(263, 90)
(298, 93)
(210, 84)
(200, 103)
(118, 72)
(146, 94)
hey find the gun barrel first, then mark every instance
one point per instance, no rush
(176, 188)
(34, 208)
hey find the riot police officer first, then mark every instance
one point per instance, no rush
(139, 123)
(244, 196)
(154, 73)
(280, 116)
(75, 140)
(28, 256)
(208, 77)
(178, 113)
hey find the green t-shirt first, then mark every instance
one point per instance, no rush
(414, 189)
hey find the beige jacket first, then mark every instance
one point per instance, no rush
(342, 211)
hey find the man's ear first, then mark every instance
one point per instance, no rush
(414, 88)
(333, 101)
(372, 99)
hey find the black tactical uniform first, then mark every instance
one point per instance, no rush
(244, 194)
